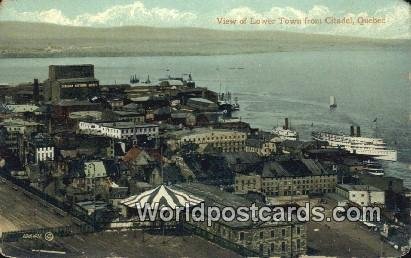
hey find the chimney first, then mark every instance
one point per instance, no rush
(352, 133)
(286, 123)
(358, 131)
(36, 91)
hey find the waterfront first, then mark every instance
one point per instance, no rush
(368, 84)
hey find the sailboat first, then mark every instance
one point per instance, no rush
(333, 103)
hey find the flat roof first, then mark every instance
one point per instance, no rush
(202, 130)
(74, 80)
(122, 112)
(202, 100)
(120, 125)
(75, 102)
(359, 187)
(19, 122)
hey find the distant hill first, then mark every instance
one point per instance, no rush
(21, 39)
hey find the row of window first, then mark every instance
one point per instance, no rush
(139, 130)
(284, 247)
(272, 233)
(212, 138)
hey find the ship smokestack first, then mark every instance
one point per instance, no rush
(286, 123)
(36, 91)
(352, 133)
(358, 131)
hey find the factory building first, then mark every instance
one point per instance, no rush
(70, 82)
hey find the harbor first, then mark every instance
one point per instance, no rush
(165, 135)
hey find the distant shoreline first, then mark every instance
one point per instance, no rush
(42, 40)
(184, 54)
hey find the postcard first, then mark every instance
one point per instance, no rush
(269, 128)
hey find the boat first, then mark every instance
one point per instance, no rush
(225, 102)
(373, 168)
(285, 132)
(236, 106)
(357, 144)
(333, 103)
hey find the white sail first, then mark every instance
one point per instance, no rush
(332, 101)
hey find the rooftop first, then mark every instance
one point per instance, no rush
(202, 100)
(75, 102)
(294, 168)
(78, 80)
(18, 122)
(359, 188)
(124, 125)
(213, 196)
(201, 130)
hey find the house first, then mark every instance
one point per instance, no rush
(262, 144)
(139, 163)
(88, 175)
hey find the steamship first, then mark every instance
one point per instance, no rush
(357, 144)
(285, 132)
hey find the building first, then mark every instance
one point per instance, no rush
(42, 148)
(89, 175)
(202, 104)
(70, 82)
(279, 239)
(216, 139)
(17, 130)
(119, 130)
(22, 108)
(363, 195)
(183, 118)
(125, 115)
(62, 109)
(261, 143)
(288, 178)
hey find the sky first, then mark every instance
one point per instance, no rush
(200, 13)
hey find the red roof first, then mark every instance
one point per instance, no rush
(132, 154)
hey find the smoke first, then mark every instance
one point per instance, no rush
(347, 119)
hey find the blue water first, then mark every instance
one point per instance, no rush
(368, 84)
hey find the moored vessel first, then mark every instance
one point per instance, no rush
(285, 132)
(357, 144)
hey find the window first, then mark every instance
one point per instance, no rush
(283, 232)
(298, 230)
(261, 235)
(272, 233)
(298, 244)
(241, 235)
(283, 247)
(261, 249)
(272, 247)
